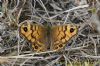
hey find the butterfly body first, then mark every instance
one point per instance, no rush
(40, 36)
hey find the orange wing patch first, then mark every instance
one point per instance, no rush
(36, 34)
(61, 35)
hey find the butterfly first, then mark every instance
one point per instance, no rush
(42, 38)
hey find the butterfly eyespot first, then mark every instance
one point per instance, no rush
(40, 50)
(56, 48)
(60, 45)
(36, 47)
(25, 29)
(72, 30)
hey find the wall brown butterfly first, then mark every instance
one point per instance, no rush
(40, 36)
